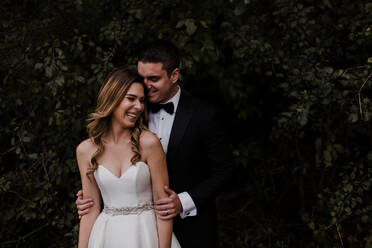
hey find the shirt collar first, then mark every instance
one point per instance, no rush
(175, 99)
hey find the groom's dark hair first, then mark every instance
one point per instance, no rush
(161, 51)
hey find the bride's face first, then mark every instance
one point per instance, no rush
(131, 107)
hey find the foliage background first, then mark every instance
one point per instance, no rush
(292, 77)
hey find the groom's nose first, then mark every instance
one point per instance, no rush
(147, 82)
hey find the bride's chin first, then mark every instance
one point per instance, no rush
(129, 124)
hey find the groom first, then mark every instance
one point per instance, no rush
(197, 152)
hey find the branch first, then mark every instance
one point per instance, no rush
(43, 164)
(339, 235)
(9, 150)
(24, 237)
(20, 196)
(360, 102)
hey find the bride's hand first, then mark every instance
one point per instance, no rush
(169, 207)
(83, 205)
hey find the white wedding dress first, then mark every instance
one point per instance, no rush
(128, 219)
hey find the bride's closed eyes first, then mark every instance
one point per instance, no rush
(133, 98)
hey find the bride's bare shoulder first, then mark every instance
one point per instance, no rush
(86, 148)
(150, 145)
(149, 140)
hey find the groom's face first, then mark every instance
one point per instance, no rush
(161, 87)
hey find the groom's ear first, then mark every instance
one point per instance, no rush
(175, 75)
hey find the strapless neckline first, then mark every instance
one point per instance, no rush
(126, 171)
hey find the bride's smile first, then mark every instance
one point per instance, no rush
(130, 107)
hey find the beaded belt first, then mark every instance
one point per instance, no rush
(128, 210)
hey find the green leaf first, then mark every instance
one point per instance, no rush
(327, 155)
(80, 79)
(60, 81)
(365, 218)
(204, 24)
(48, 72)
(240, 9)
(180, 23)
(38, 66)
(190, 26)
(327, 3)
(33, 155)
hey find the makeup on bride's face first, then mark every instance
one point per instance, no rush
(131, 107)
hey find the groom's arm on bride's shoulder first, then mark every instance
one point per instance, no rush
(153, 154)
(90, 189)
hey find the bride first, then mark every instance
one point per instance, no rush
(122, 164)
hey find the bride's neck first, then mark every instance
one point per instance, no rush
(118, 135)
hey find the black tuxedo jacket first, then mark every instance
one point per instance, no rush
(199, 162)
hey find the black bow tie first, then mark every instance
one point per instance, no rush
(168, 107)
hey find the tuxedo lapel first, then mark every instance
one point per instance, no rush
(181, 120)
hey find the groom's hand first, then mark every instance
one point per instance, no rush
(169, 207)
(83, 205)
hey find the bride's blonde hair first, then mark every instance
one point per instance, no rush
(112, 92)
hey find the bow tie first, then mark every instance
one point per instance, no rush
(168, 107)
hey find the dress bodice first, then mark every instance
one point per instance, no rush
(128, 218)
(132, 188)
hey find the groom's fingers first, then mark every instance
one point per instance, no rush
(165, 215)
(169, 191)
(164, 212)
(171, 199)
(82, 212)
(163, 201)
(79, 194)
(163, 207)
(83, 209)
(83, 204)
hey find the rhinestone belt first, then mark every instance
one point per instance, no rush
(128, 210)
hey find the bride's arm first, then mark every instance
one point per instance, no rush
(90, 190)
(155, 157)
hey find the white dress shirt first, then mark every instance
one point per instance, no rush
(160, 124)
